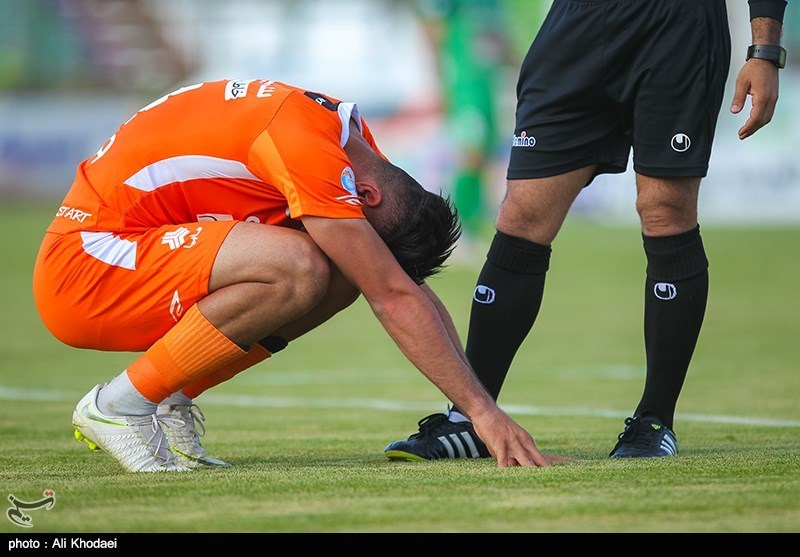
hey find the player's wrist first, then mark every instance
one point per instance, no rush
(773, 53)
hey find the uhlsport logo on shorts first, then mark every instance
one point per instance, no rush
(680, 142)
(16, 512)
(523, 140)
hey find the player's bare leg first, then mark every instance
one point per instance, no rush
(184, 437)
(263, 278)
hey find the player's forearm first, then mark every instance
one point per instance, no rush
(414, 324)
(447, 321)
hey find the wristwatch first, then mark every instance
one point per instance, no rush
(771, 52)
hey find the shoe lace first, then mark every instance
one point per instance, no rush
(196, 417)
(637, 436)
(429, 423)
(156, 441)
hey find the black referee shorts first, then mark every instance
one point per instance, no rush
(605, 76)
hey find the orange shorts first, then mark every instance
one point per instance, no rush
(123, 291)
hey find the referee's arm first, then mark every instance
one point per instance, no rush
(758, 78)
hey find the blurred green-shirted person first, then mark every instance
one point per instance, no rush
(472, 49)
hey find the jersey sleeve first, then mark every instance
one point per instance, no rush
(300, 153)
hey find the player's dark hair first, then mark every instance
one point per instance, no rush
(424, 226)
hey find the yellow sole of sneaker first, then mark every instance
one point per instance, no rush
(81, 437)
(403, 456)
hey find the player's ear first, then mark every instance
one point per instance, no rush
(369, 193)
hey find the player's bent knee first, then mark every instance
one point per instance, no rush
(310, 271)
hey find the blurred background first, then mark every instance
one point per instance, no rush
(436, 79)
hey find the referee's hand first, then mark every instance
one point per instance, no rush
(759, 79)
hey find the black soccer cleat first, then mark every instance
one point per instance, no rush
(438, 437)
(644, 438)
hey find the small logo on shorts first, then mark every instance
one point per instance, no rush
(665, 290)
(176, 307)
(177, 238)
(681, 142)
(523, 140)
(483, 294)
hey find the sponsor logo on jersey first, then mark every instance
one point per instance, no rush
(322, 100)
(178, 238)
(348, 181)
(523, 140)
(175, 307)
(665, 291)
(680, 142)
(265, 89)
(237, 88)
(72, 213)
(483, 294)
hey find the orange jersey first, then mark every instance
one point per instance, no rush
(254, 150)
(133, 244)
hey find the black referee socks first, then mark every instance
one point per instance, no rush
(505, 304)
(676, 292)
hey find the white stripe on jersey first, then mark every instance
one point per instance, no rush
(184, 168)
(110, 249)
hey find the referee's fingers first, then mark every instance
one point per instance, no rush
(755, 121)
(740, 94)
(761, 114)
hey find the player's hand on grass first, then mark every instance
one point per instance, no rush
(509, 444)
(758, 79)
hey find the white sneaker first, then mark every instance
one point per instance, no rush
(137, 442)
(184, 437)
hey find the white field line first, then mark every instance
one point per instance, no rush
(255, 401)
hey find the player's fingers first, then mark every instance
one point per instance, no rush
(540, 461)
(501, 456)
(530, 455)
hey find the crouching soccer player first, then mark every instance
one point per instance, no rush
(218, 224)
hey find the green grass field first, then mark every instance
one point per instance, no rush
(306, 429)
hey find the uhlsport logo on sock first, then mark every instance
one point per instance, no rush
(665, 291)
(483, 294)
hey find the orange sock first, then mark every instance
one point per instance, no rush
(256, 354)
(189, 351)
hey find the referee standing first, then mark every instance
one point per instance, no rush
(602, 78)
